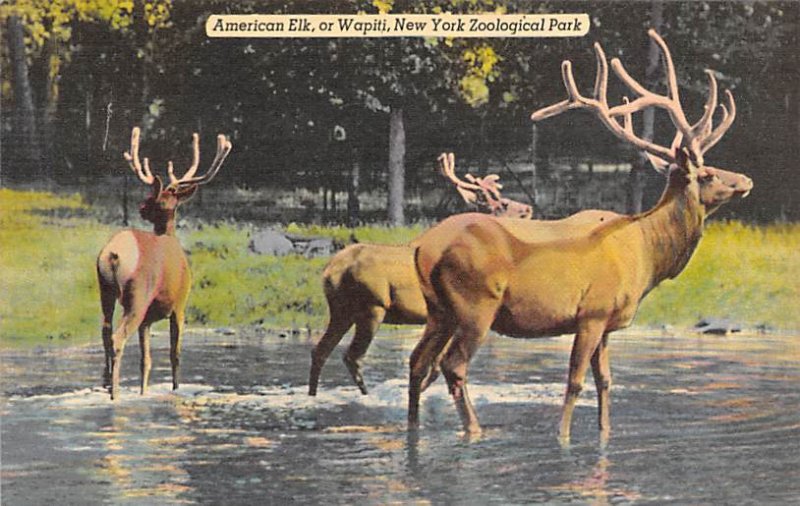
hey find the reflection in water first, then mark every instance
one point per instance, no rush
(595, 488)
(695, 421)
(137, 464)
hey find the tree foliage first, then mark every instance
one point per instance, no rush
(300, 110)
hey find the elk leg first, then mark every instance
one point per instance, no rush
(583, 347)
(144, 361)
(366, 327)
(601, 368)
(108, 300)
(175, 337)
(437, 334)
(340, 322)
(130, 322)
(455, 366)
(433, 371)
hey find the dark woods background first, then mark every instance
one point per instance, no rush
(363, 120)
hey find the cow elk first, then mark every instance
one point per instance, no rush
(147, 272)
(487, 273)
(368, 284)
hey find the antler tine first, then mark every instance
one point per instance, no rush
(599, 105)
(195, 162)
(728, 115)
(703, 126)
(627, 119)
(224, 147)
(601, 80)
(447, 167)
(488, 184)
(132, 157)
(670, 103)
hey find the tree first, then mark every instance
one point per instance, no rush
(653, 74)
(24, 112)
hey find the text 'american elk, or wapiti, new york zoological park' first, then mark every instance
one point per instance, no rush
(398, 25)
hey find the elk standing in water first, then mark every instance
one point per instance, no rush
(368, 284)
(487, 273)
(147, 271)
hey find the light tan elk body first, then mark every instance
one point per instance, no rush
(368, 284)
(147, 272)
(479, 272)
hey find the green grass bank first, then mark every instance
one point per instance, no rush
(48, 290)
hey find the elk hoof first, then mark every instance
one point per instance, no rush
(472, 433)
(605, 437)
(564, 441)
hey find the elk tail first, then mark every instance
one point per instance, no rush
(108, 272)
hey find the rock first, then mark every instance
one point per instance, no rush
(714, 326)
(319, 247)
(271, 242)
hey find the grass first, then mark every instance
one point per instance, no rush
(48, 290)
(747, 274)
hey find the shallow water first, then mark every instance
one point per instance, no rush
(695, 420)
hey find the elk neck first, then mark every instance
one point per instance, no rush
(165, 223)
(672, 229)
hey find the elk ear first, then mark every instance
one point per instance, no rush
(156, 186)
(685, 161)
(185, 194)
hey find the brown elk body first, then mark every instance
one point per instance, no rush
(147, 272)
(487, 273)
(368, 284)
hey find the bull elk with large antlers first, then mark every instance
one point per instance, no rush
(485, 273)
(368, 284)
(147, 272)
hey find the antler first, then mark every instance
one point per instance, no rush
(468, 190)
(483, 193)
(195, 162)
(143, 173)
(223, 148)
(699, 137)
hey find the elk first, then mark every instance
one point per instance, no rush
(483, 193)
(147, 272)
(368, 284)
(480, 272)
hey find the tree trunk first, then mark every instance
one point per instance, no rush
(636, 180)
(50, 108)
(534, 157)
(397, 153)
(25, 113)
(353, 206)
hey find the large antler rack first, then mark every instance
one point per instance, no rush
(143, 172)
(698, 137)
(482, 192)
(223, 148)
(468, 189)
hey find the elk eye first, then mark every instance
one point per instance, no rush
(707, 178)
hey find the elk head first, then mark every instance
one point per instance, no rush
(483, 193)
(159, 207)
(714, 186)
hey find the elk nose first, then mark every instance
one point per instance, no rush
(744, 186)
